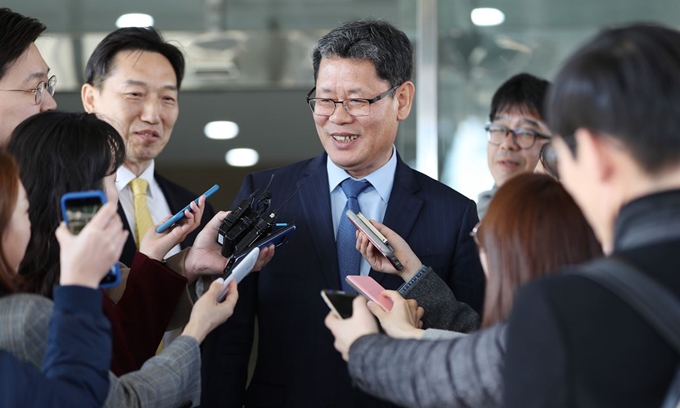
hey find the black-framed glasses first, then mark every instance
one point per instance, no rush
(524, 138)
(39, 91)
(474, 231)
(354, 106)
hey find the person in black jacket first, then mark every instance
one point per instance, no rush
(571, 342)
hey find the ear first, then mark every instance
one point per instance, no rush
(404, 97)
(87, 94)
(596, 153)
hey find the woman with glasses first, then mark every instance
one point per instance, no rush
(532, 228)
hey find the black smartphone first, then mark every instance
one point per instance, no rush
(277, 238)
(339, 302)
(77, 209)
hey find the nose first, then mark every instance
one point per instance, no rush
(340, 115)
(48, 103)
(509, 142)
(150, 112)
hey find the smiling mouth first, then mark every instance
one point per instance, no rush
(344, 139)
(148, 133)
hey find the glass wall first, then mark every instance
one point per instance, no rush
(249, 62)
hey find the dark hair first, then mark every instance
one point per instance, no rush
(624, 83)
(378, 41)
(17, 33)
(524, 92)
(532, 228)
(9, 192)
(58, 152)
(100, 64)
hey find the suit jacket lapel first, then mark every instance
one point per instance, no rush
(130, 249)
(315, 203)
(403, 207)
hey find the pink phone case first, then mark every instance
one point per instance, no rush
(369, 288)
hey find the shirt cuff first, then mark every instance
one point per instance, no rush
(407, 285)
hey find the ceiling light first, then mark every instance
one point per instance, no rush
(221, 130)
(134, 20)
(242, 157)
(487, 16)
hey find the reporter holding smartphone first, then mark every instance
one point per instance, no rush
(59, 152)
(532, 228)
(75, 366)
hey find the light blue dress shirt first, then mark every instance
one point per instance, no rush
(373, 201)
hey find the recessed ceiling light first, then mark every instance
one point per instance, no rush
(134, 20)
(487, 16)
(221, 130)
(242, 157)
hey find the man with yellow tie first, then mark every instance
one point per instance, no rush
(133, 79)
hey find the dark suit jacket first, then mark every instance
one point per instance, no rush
(178, 197)
(297, 365)
(573, 343)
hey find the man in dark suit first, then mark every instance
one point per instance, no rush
(133, 79)
(363, 90)
(572, 342)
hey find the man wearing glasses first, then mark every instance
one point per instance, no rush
(26, 88)
(516, 131)
(363, 90)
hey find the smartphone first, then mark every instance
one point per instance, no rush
(180, 214)
(238, 272)
(339, 302)
(377, 239)
(77, 209)
(277, 238)
(370, 289)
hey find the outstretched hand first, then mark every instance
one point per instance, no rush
(156, 246)
(205, 256)
(402, 251)
(87, 257)
(207, 313)
(347, 331)
(404, 320)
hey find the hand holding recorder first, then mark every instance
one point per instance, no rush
(401, 250)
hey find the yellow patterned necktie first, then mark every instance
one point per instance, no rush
(142, 215)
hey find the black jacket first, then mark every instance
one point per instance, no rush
(572, 342)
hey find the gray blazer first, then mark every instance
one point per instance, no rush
(460, 372)
(457, 371)
(171, 379)
(442, 310)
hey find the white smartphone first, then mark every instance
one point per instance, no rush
(239, 271)
(377, 239)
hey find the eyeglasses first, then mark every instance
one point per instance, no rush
(354, 106)
(39, 91)
(524, 138)
(474, 231)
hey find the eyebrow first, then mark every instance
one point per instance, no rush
(142, 83)
(525, 120)
(352, 91)
(36, 75)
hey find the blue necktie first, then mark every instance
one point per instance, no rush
(348, 256)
